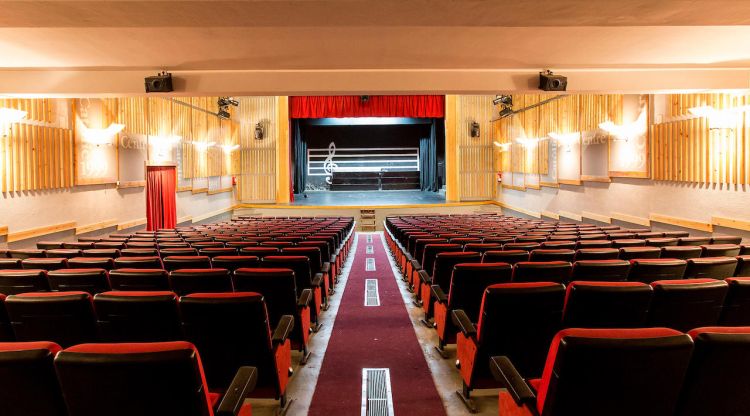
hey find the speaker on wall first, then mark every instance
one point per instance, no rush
(159, 83)
(551, 82)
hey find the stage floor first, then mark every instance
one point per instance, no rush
(358, 198)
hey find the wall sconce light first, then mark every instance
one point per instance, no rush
(627, 131)
(503, 146)
(228, 148)
(202, 146)
(11, 115)
(259, 133)
(566, 140)
(718, 119)
(474, 130)
(99, 137)
(527, 143)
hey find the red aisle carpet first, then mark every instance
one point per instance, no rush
(374, 337)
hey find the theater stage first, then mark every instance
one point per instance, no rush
(372, 198)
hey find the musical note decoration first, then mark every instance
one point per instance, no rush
(328, 165)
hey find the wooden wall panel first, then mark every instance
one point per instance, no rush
(475, 154)
(257, 158)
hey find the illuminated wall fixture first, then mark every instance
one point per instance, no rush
(503, 146)
(626, 131)
(719, 119)
(228, 148)
(162, 146)
(99, 137)
(527, 143)
(566, 140)
(259, 133)
(11, 115)
(474, 129)
(203, 146)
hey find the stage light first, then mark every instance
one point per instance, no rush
(227, 101)
(11, 115)
(223, 114)
(259, 133)
(506, 112)
(474, 131)
(506, 100)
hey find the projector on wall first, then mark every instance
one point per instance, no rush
(160, 83)
(551, 82)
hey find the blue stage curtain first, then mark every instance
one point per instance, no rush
(428, 178)
(300, 158)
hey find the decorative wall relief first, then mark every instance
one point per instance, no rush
(629, 143)
(96, 134)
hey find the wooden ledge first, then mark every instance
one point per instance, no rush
(40, 231)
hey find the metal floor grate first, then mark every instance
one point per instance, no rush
(369, 238)
(376, 392)
(372, 295)
(369, 249)
(370, 264)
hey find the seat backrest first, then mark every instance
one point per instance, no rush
(28, 383)
(661, 242)
(505, 256)
(300, 265)
(139, 252)
(726, 239)
(421, 243)
(212, 252)
(26, 254)
(139, 279)
(552, 255)
(601, 270)
(614, 372)
(186, 262)
(630, 253)
(13, 282)
(681, 252)
(519, 320)
(719, 373)
(312, 253)
(101, 253)
(482, 247)
(325, 253)
(606, 305)
(542, 271)
(688, 303)
(277, 285)
(8, 263)
(597, 254)
(149, 262)
(66, 253)
(178, 251)
(230, 330)
(521, 246)
(233, 263)
(431, 251)
(711, 267)
(446, 261)
(720, 250)
(581, 244)
(259, 252)
(743, 266)
(186, 281)
(650, 270)
(736, 310)
(92, 281)
(469, 281)
(123, 379)
(628, 242)
(137, 316)
(693, 241)
(50, 263)
(66, 318)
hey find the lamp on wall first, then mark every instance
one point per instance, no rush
(259, 133)
(718, 119)
(503, 146)
(527, 143)
(202, 146)
(627, 131)
(99, 137)
(566, 140)
(474, 130)
(228, 148)
(11, 115)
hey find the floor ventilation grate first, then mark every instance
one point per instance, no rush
(376, 392)
(369, 238)
(370, 264)
(372, 296)
(370, 249)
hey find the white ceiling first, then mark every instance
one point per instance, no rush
(209, 38)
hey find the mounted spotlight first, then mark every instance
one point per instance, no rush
(506, 100)
(474, 129)
(223, 114)
(364, 99)
(259, 134)
(506, 112)
(227, 101)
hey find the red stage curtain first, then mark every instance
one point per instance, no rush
(161, 206)
(423, 106)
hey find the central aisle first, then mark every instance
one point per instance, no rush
(374, 337)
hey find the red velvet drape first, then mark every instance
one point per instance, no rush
(423, 106)
(161, 205)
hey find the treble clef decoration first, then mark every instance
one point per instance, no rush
(328, 165)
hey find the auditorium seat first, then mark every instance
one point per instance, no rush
(129, 279)
(53, 263)
(147, 379)
(115, 245)
(681, 252)
(105, 263)
(521, 246)
(134, 316)
(171, 245)
(628, 242)
(726, 239)
(661, 242)
(6, 332)
(552, 255)
(139, 252)
(720, 250)
(517, 320)
(586, 244)
(278, 288)
(28, 383)
(207, 244)
(441, 276)
(317, 265)
(745, 249)
(80, 245)
(711, 267)
(630, 253)
(66, 253)
(178, 251)
(506, 256)
(542, 271)
(592, 372)
(467, 285)
(601, 270)
(92, 281)
(559, 245)
(606, 305)
(233, 263)
(26, 254)
(676, 234)
(259, 252)
(736, 310)
(597, 254)
(325, 254)
(186, 281)
(693, 241)
(49, 245)
(8, 263)
(186, 262)
(719, 373)
(66, 318)
(13, 282)
(101, 252)
(427, 264)
(304, 279)
(231, 330)
(237, 245)
(414, 259)
(687, 303)
(481, 248)
(650, 270)
(743, 265)
(131, 244)
(212, 252)
(149, 262)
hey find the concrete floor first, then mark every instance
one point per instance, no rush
(349, 198)
(444, 372)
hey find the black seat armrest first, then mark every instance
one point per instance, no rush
(504, 372)
(336, 252)
(415, 265)
(408, 256)
(317, 279)
(242, 384)
(424, 277)
(438, 293)
(304, 298)
(463, 323)
(326, 267)
(283, 329)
